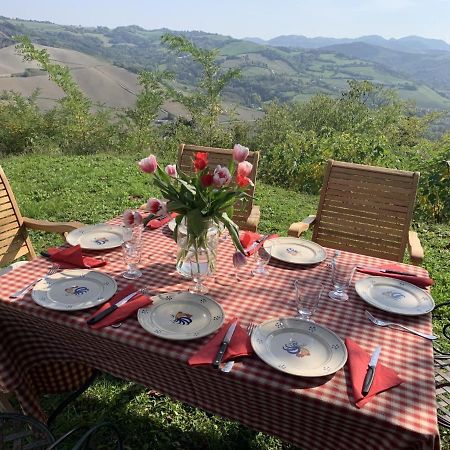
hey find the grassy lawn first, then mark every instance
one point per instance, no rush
(92, 189)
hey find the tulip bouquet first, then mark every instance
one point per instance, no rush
(208, 195)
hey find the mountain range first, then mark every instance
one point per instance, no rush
(286, 68)
(409, 44)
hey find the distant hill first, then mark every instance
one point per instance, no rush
(268, 73)
(410, 44)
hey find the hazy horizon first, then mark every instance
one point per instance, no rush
(264, 19)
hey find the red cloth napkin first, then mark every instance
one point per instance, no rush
(73, 257)
(124, 311)
(422, 282)
(158, 223)
(239, 346)
(358, 359)
(247, 238)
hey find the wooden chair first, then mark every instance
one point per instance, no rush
(14, 240)
(245, 216)
(366, 210)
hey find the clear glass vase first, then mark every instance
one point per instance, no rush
(197, 254)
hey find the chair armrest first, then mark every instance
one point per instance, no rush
(296, 229)
(253, 218)
(415, 249)
(51, 227)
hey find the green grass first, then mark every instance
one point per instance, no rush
(95, 188)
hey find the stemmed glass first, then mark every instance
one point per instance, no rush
(307, 297)
(262, 257)
(341, 277)
(131, 249)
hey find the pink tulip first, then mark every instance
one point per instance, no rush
(221, 176)
(240, 153)
(244, 168)
(149, 164)
(132, 218)
(239, 260)
(171, 170)
(154, 205)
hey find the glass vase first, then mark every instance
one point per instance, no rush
(197, 253)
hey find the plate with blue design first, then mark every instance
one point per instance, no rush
(295, 250)
(394, 296)
(181, 316)
(73, 290)
(299, 347)
(96, 237)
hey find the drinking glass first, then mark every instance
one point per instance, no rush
(307, 297)
(131, 249)
(262, 258)
(341, 277)
(200, 270)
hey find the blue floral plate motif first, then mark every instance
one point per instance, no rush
(181, 316)
(297, 347)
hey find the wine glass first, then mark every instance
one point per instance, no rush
(341, 277)
(200, 270)
(307, 297)
(262, 257)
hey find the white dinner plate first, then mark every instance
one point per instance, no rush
(296, 251)
(299, 347)
(394, 296)
(181, 316)
(72, 290)
(96, 237)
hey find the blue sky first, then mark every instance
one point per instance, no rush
(256, 18)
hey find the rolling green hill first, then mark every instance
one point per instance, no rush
(268, 73)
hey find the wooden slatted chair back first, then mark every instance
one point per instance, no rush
(221, 156)
(365, 209)
(14, 240)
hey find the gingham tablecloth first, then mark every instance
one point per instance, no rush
(43, 350)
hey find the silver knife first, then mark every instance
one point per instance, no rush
(256, 243)
(224, 344)
(379, 269)
(370, 375)
(112, 308)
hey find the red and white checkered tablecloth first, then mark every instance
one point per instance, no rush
(44, 350)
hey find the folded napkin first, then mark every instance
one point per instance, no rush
(239, 346)
(72, 257)
(158, 223)
(422, 282)
(358, 360)
(247, 238)
(124, 311)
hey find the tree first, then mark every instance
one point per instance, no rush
(204, 102)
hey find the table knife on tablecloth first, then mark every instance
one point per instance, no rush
(370, 375)
(111, 309)
(224, 345)
(381, 270)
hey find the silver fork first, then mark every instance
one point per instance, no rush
(21, 292)
(229, 365)
(384, 323)
(144, 291)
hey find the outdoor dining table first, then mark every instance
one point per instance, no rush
(43, 350)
